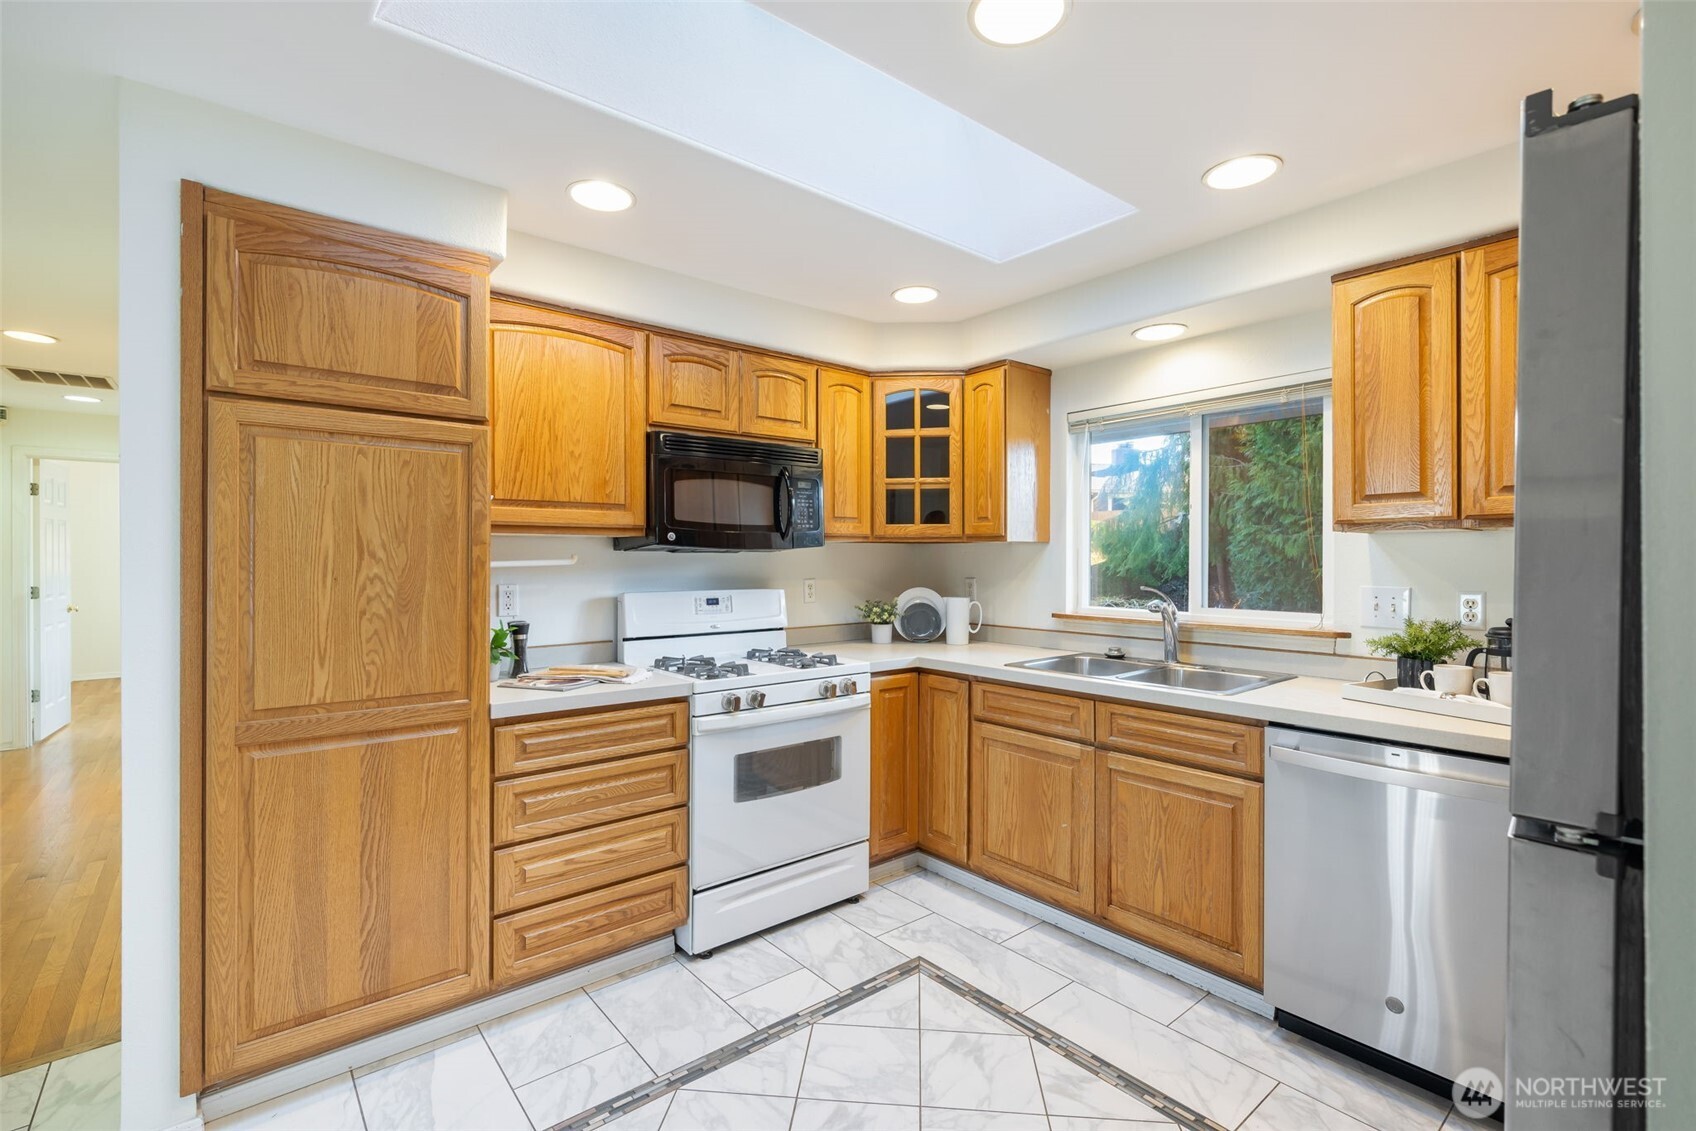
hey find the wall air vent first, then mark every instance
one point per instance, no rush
(64, 380)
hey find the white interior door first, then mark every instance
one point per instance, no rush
(53, 609)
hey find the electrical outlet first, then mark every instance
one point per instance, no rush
(506, 601)
(971, 588)
(1384, 607)
(1472, 610)
(809, 590)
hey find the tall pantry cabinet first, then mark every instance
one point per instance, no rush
(335, 706)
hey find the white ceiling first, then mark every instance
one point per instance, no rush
(1135, 98)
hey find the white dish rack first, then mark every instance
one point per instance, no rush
(1385, 693)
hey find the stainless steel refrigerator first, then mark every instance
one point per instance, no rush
(1575, 902)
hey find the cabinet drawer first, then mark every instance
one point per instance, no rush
(565, 800)
(553, 744)
(1212, 744)
(573, 931)
(1059, 716)
(577, 862)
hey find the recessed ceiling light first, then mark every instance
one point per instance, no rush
(1241, 172)
(913, 294)
(1010, 23)
(30, 336)
(80, 399)
(1159, 332)
(601, 196)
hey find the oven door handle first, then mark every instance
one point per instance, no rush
(771, 716)
(785, 504)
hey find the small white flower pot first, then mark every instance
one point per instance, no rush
(883, 633)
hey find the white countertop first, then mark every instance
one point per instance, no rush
(1304, 701)
(517, 702)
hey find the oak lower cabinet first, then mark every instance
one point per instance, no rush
(1178, 857)
(944, 761)
(895, 778)
(1004, 414)
(346, 787)
(568, 420)
(1033, 814)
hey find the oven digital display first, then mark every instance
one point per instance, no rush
(719, 604)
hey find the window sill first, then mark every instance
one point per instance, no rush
(1186, 627)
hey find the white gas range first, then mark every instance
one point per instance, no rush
(779, 754)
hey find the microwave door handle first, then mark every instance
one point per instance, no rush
(785, 504)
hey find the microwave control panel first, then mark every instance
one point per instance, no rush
(806, 515)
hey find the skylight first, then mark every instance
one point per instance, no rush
(734, 79)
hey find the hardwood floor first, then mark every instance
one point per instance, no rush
(59, 851)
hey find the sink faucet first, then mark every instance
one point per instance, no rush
(1168, 621)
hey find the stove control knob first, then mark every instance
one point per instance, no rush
(732, 701)
(756, 699)
(827, 690)
(850, 686)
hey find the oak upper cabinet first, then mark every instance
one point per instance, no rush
(305, 308)
(916, 458)
(779, 397)
(568, 420)
(1033, 814)
(944, 757)
(346, 745)
(895, 779)
(845, 439)
(1489, 344)
(1005, 422)
(693, 385)
(1394, 394)
(1179, 858)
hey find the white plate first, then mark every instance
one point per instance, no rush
(921, 628)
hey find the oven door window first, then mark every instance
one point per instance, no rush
(787, 769)
(701, 499)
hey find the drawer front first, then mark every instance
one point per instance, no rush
(574, 863)
(566, 800)
(557, 936)
(1212, 744)
(1058, 716)
(553, 744)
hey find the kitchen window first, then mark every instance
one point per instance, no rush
(1220, 505)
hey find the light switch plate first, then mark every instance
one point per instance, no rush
(1384, 607)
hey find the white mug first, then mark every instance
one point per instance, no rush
(957, 615)
(1497, 687)
(1447, 679)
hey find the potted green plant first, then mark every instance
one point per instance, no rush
(500, 650)
(881, 616)
(1420, 646)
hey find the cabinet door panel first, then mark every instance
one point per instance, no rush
(916, 458)
(305, 308)
(945, 724)
(692, 385)
(1180, 858)
(895, 779)
(984, 498)
(346, 744)
(1033, 815)
(845, 424)
(779, 396)
(569, 419)
(1394, 389)
(1489, 377)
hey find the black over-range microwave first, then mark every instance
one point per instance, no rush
(722, 493)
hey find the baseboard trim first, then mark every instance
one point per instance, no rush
(292, 1077)
(1212, 983)
(895, 866)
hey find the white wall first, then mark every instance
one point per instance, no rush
(27, 433)
(93, 489)
(163, 138)
(1021, 586)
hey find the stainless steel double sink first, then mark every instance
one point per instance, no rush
(1153, 673)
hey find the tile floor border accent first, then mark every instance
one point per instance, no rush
(678, 1078)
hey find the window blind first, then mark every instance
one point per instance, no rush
(1151, 412)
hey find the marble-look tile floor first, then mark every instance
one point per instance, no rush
(912, 1056)
(76, 1093)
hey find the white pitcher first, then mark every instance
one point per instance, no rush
(957, 615)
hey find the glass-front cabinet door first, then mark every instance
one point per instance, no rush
(916, 456)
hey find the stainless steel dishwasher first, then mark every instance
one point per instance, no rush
(1386, 897)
